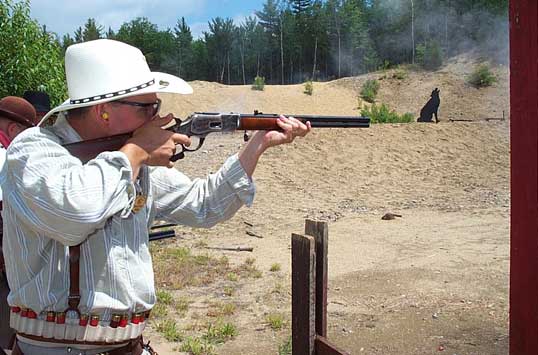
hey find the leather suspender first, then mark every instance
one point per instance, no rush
(74, 272)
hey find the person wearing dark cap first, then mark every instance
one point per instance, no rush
(16, 114)
(40, 100)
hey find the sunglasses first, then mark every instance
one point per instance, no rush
(150, 107)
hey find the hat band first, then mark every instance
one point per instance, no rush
(112, 94)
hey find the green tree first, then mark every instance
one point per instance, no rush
(91, 31)
(79, 37)
(158, 47)
(270, 19)
(110, 34)
(201, 70)
(67, 40)
(219, 41)
(30, 58)
(183, 37)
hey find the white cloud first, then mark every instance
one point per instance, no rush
(239, 19)
(198, 28)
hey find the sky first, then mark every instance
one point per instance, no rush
(65, 16)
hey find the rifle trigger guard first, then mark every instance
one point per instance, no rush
(177, 156)
(184, 149)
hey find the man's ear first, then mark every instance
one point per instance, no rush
(13, 129)
(102, 113)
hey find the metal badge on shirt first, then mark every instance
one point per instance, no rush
(141, 198)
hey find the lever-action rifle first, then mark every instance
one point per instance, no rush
(200, 124)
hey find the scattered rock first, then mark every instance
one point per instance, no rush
(390, 216)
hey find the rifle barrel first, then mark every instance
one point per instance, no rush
(268, 121)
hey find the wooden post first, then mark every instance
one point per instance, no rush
(303, 294)
(320, 232)
(309, 291)
(324, 347)
(524, 177)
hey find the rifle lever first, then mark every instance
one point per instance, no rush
(184, 149)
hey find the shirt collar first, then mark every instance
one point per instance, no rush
(63, 129)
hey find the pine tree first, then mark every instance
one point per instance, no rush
(271, 20)
(183, 37)
(91, 30)
(110, 34)
(300, 7)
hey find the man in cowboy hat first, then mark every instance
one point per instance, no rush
(16, 114)
(76, 242)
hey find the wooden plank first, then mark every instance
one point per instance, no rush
(324, 347)
(524, 177)
(320, 232)
(303, 296)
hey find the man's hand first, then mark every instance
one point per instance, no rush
(291, 128)
(262, 140)
(153, 145)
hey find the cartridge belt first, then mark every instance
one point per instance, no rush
(83, 328)
(134, 346)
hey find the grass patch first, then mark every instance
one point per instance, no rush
(369, 90)
(259, 83)
(229, 291)
(219, 333)
(182, 305)
(228, 309)
(159, 311)
(400, 74)
(164, 297)
(309, 88)
(196, 346)
(275, 321)
(213, 334)
(249, 269)
(176, 268)
(221, 309)
(482, 76)
(231, 276)
(382, 114)
(278, 288)
(168, 329)
(285, 347)
(275, 267)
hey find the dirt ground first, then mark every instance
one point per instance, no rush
(434, 281)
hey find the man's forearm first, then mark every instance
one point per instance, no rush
(251, 152)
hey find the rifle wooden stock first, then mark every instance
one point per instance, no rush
(87, 150)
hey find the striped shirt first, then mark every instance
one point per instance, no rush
(52, 201)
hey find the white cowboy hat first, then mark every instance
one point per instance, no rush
(105, 70)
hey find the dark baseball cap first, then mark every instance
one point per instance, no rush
(39, 99)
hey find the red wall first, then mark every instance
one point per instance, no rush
(524, 194)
